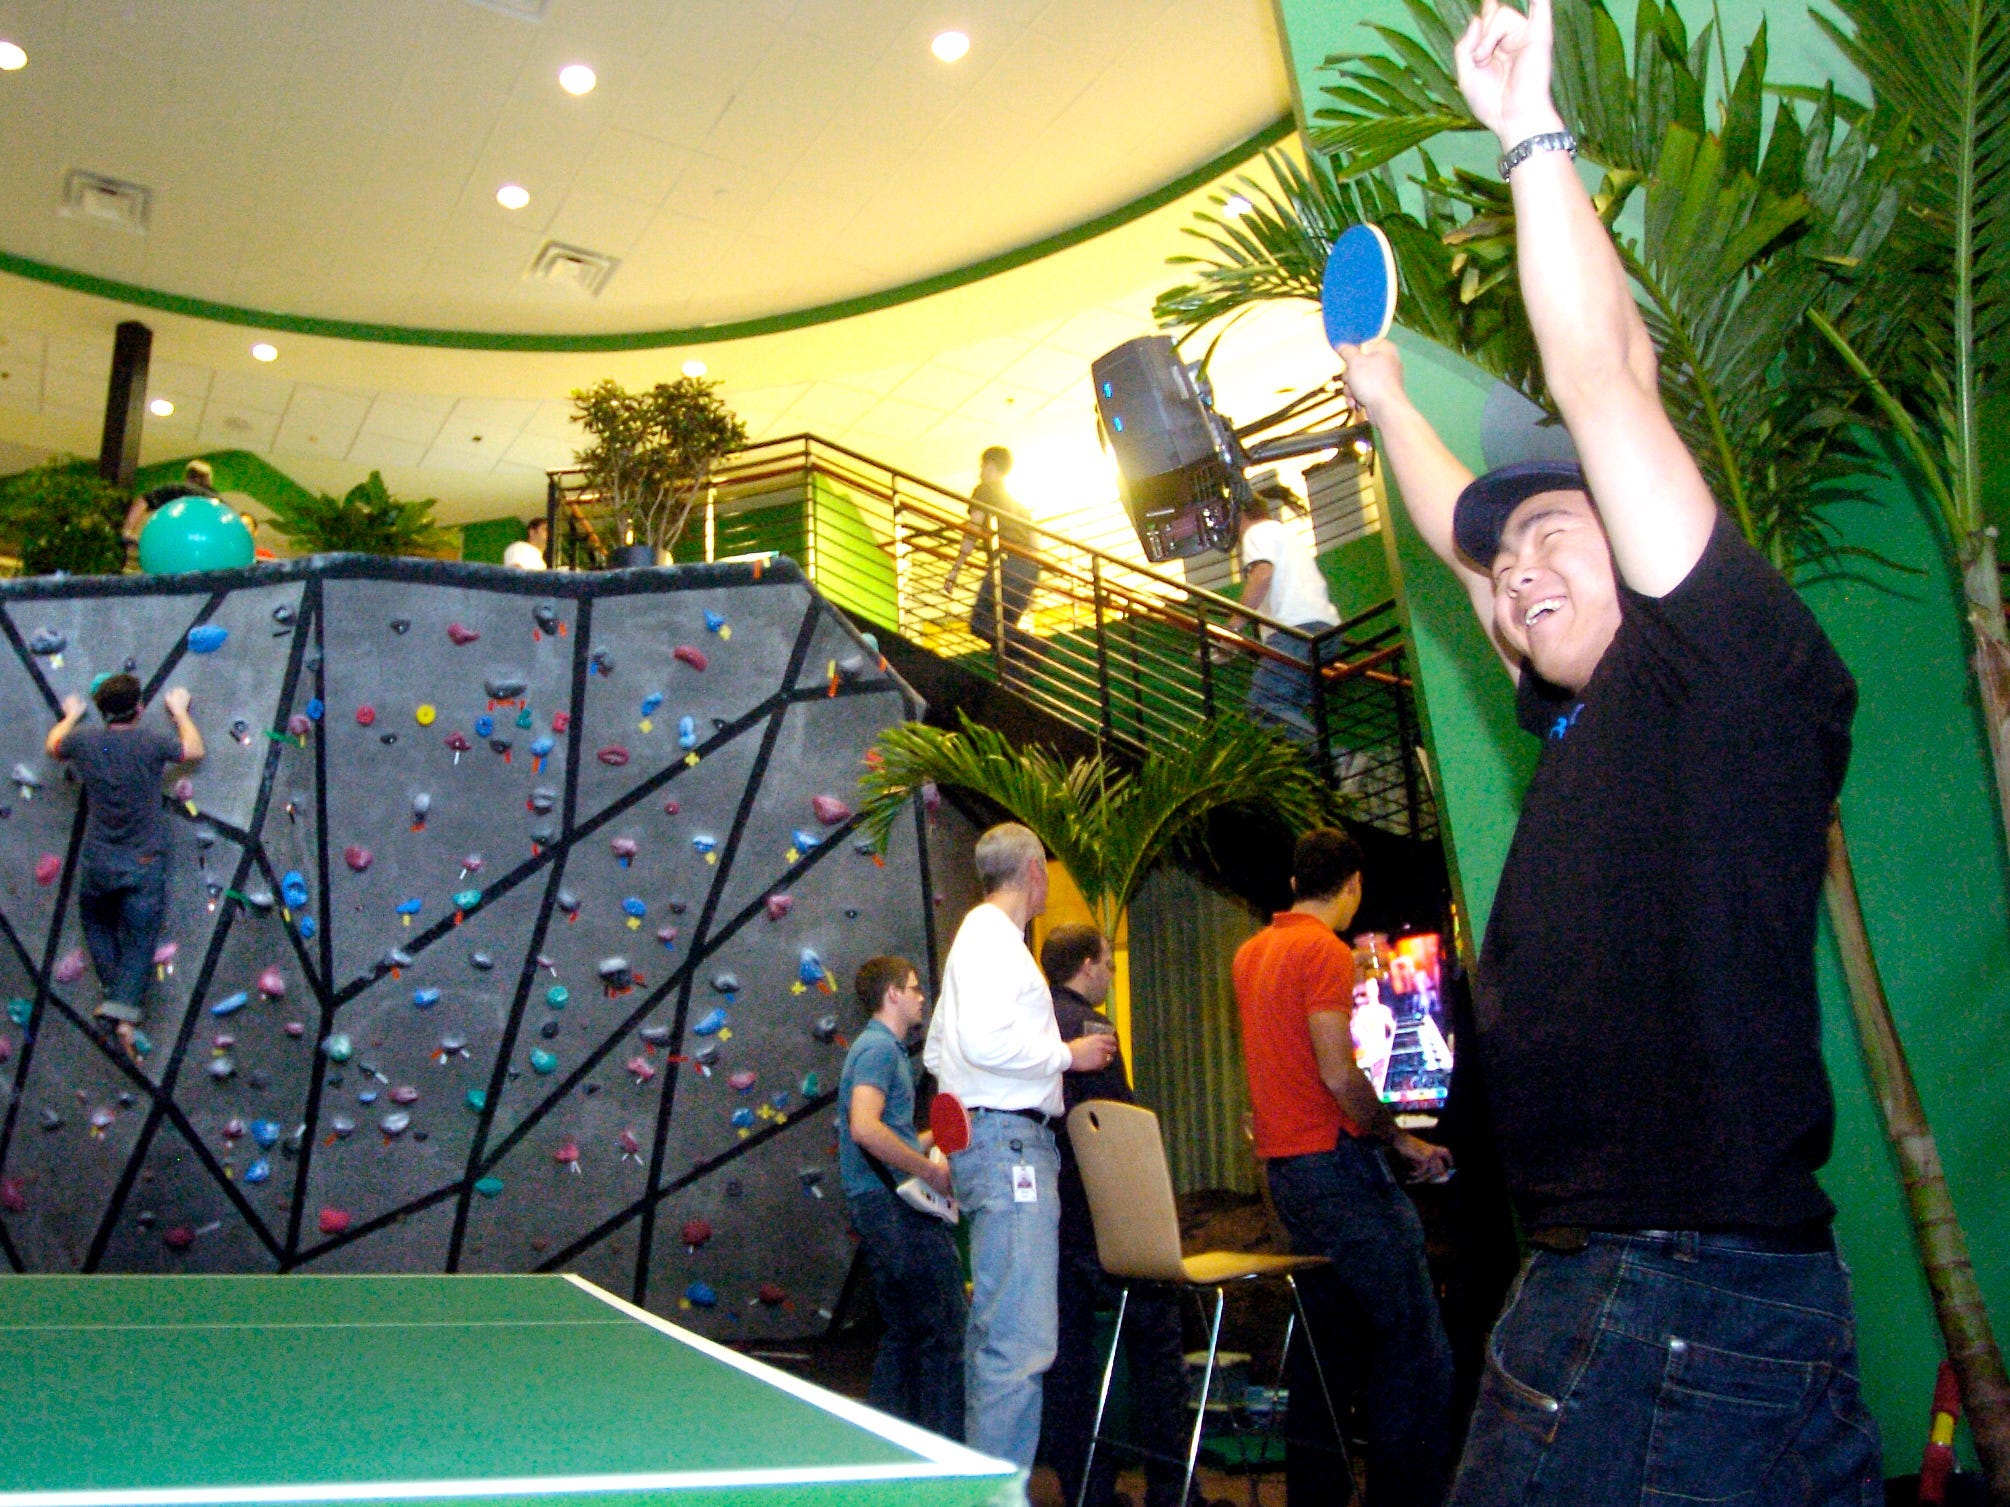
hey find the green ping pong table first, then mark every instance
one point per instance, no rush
(527, 1391)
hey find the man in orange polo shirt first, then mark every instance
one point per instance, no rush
(1324, 1137)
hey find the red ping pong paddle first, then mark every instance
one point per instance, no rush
(951, 1123)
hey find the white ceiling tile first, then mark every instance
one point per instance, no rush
(72, 389)
(86, 359)
(827, 409)
(250, 390)
(471, 458)
(322, 421)
(1049, 371)
(632, 165)
(607, 223)
(938, 386)
(1093, 331)
(896, 419)
(985, 358)
(229, 427)
(487, 424)
(378, 452)
(1002, 403)
(541, 452)
(554, 421)
(409, 418)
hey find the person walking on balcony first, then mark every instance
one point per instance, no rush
(1011, 568)
(1282, 581)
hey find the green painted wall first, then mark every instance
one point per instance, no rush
(1919, 807)
(485, 542)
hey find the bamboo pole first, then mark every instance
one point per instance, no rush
(1982, 585)
(1943, 1248)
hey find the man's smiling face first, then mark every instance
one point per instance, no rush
(1556, 597)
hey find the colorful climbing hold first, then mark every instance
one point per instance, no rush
(48, 868)
(425, 999)
(673, 806)
(461, 635)
(458, 744)
(727, 984)
(624, 849)
(543, 1063)
(560, 722)
(635, 909)
(394, 1124)
(830, 810)
(567, 1155)
(337, 1048)
(47, 641)
(770, 1295)
(332, 1221)
(410, 908)
(801, 840)
(266, 1133)
(206, 638)
(778, 906)
(704, 844)
(307, 927)
(716, 623)
(358, 858)
(650, 702)
(641, 1067)
(488, 1187)
(701, 1295)
(695, 658)
(476, 1099)
(293, 888)
(557, 996)
(465, 900)
(614, 755)
(667, 935)
(365, 715)
(687, 732)
(811, 1085)
(741, 1118)
(696, 1232)
(713, 1023)
(742, 1081)
(424, 714)
(69, 967)
(18, 1010)
(272, 983)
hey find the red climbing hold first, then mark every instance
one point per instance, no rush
(567, 1155)
(830, 810)
(741, 1081)
(560, 721)
(672, 806)
(461, 635)
(771, 1294)
(695, 658)
(358, 858)
(696, 1232)
(365, 715)
(642, 1068)
(333, 1221)
(613, 755)
(178, 1238)
(47, 868)
(13, 1195)
(272, 983)
(69, 967)
(779, 906)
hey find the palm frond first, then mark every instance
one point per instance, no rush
(1105, 824)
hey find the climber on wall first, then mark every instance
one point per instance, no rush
(123, 867)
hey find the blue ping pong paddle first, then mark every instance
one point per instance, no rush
(1357, 297)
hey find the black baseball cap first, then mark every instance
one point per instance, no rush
(1483, 507)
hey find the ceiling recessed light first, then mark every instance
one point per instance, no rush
(512, 196)
(1235, 206)
(264, 352)
(695, 368)
(950, 46)
(160, 408)
(12, 57)
(577, 78)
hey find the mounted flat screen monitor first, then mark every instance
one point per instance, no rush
(1401, 1027)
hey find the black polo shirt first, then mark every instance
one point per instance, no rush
(1072, 1014)
(1646, 998)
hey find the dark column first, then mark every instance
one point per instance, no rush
(125, 404)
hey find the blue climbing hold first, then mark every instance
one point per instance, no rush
(703, 844)
(266, 1133)
(143, 1044)
(258, 1172)
(557, 996)
(634, 907)
(425, 999)
(307, 928)
(543, 1063)
(206, 639)
(727, 984)
(230, 1004)
(467, 899)
(714, 621)
(484, 725)
(316, 709)
(410, 907)
(488, 1187)
(743, 1118)
(700, 1295)
(803, 841)
(18, 1011)
(542, 745)
(650, 702)
(293, 889)
(477, 1099)
(810, 969)
(367, 1096)
(780, 1100)
(713, 1023)
(687, 732)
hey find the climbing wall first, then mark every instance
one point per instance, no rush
(512, 925)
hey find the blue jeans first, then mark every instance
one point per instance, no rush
(1014, 1249)
(1281, 694)
(917, 1284)
(1660, 1367)
(122, 902)
(1379, 1334)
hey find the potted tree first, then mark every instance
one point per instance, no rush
(651, 456)
(365, 520)
(62, 517)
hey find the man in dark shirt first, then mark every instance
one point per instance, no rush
(122, 889)
(197, 481)
(1013, 573)
(1079, 966)
(1645, 1000)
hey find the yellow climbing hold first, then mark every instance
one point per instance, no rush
(425, 714)
(645, 726)
(692, 760)
(798, 987)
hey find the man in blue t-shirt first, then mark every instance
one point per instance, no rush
(123, 865)
(917, 1280)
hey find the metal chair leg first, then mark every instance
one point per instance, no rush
(1206, 1388)
(1319, 1371)
(1103, 1400)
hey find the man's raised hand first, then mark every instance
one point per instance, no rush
(1503, 64)
(176, 701)
(73, 707)
(1374, 375)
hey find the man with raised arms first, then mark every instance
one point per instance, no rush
(1645, 1000)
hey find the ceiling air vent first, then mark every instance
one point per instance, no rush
(572, 267)
(106, 201)
(528, 10)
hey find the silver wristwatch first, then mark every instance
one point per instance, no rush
(1548, 141)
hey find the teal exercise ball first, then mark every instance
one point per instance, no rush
(194, 533)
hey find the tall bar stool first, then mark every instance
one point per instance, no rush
(1123, 1162)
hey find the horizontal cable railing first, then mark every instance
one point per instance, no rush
(1133, 655)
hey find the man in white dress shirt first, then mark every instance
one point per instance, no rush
(994, 1045)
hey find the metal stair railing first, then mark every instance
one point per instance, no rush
(1130, 654)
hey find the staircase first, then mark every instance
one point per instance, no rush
(1117, 652)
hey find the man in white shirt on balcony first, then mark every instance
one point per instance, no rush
(994, 1045)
